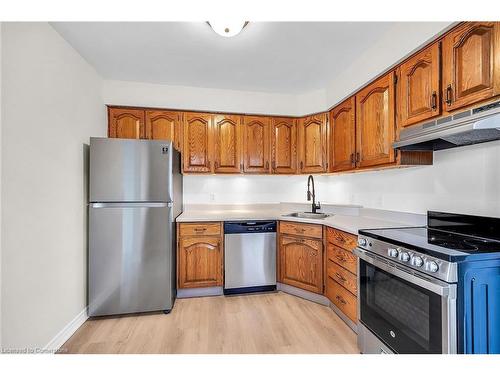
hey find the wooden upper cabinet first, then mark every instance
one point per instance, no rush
(471, 64)
(126, 123)
(343, 136)
(419, 94)
(313, 144)
(164, 125)
(375, 123)
(284, 145)
(197, 150)
(256, 131)
(227, 143)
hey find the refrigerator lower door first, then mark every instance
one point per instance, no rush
(131, 258)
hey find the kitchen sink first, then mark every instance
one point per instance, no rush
(309, 215)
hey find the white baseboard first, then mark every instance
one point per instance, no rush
(63, 335)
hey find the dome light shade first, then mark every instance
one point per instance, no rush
(227, 28)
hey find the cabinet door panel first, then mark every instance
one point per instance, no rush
(256, 144)
(227, 134)
(126, 123)
(301, 263)
(197, 152)
(200, 262)
(471, 63)
(375, 125)
(313, 144)
(419, 94)
(164, 125)
(343, 136)
(284, 145)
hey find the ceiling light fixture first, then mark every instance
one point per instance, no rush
(227, 28)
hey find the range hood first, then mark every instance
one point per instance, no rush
(476, 125)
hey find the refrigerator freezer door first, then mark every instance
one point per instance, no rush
(131, 258)
(130, 170)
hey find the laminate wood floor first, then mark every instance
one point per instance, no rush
(259, 323)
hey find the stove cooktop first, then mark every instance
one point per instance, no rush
(447, 236)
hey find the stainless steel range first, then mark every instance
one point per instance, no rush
(433, 289)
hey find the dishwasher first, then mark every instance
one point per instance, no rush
(249, 256)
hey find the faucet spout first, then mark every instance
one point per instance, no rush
(314, 206)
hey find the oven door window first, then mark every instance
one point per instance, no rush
(403, 315)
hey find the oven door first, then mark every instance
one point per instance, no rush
(408, 311)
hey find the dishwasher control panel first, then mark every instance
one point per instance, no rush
(249, 226)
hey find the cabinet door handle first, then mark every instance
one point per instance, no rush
(267, 165)
(357, 157)
(216, 165)
(434, 101)
(274, 165)
(353, 159)
(448, 94)
(241, 167)
(301, 165)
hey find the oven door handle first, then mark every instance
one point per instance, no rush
(439, 287)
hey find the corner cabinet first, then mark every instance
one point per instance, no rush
(198, 141)
(284, 145)
(343, 136)
(471, 64)
(419, 94)
(126, 123)
(256, 131)
(313, 150)
(300, 257)
(199, 255)
(375, 123)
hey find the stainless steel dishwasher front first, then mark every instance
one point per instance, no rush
(249, 256)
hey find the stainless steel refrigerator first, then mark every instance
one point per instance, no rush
(135, 196)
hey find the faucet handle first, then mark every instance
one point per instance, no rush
(318, 206)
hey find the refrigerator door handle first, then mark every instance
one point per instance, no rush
(130, 204)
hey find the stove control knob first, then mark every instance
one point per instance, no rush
(362, 242)
(417, 261)
(431, 266)
(393, 253)
(404, 256)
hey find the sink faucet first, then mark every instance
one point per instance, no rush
(313, 194)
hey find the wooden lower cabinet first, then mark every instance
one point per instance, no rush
(341, 286)
(199, 255)
(301, 260)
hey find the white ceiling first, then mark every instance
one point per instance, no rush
(279, 57)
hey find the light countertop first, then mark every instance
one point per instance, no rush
(352, 222)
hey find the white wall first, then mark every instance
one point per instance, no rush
(464, 180)
(195, 98)
(51, 104)
(399, 41)
(1, 89)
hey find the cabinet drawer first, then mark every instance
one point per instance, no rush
(299, 229)
(345, 278)
(342, 239)
(199, 229)
(343, 299)
(342, 257)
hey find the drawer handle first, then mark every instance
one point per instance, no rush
(341, 300)
(200, 229)
(300, 230)
(340, 258)
(340, 277)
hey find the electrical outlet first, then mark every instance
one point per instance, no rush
(212, 197)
